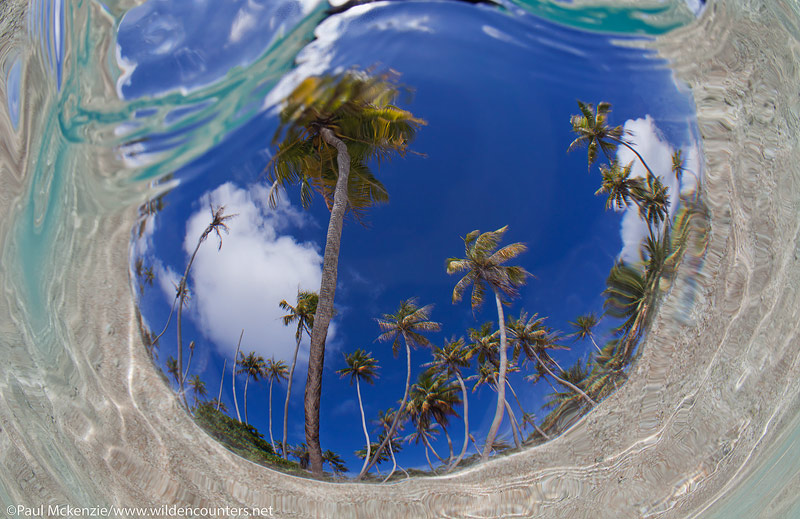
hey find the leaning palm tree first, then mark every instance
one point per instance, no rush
(407, 323)
(487, 375)
(218, 219)
(303, 314)
(384, 422)
(653, 200)
(627, 297)
(273, 370)
(347, 120)
(253, 367)
(567, 404)
(485, 269)
(425, 431)
(449, 360)
(583, 327)
(361, 366)
(618, 185)
(591, 127)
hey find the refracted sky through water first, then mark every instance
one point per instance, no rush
(496, 87)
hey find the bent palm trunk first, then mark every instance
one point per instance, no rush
(324, 314)
(363, 424)
(501, 381)
(466, 422)
(233, 376)
(565, 382)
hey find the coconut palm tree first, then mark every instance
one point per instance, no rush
(407, 323)
(302, 314)
(618, 185)
(627, 298)
(253, 367)
(361, 366)
(434, 398)
(425, 431)
(448, 361)
(484, 266)
(198, 387)
(591, 127)
(488, 375)
(348, 120)
(584, 326)
(566, 403)
(300, 452)
(218, 219)
(384, 423)
(526, 333)
(335, 462)
(652, 197)
(485, 344)
(233, 375)
(273, 370)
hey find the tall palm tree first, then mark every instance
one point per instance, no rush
(618, 185)
(361, 366)
(449, 360)
(484, 266)
(407, 323)
(434, 398)
(526, 334)
(346, 120)
(302, 314)
(218, 219)
(591, 127)
(273, 370)
(584, 326)
(253, 367)
(653, 200)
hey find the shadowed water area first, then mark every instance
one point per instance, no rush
(123, 122)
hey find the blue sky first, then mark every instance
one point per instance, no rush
(496, 91)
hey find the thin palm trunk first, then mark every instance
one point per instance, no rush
(501, 389)
(394, 464)
(425, 439)
(427, 457)
(363, 424)
(288, 394)
(324, 314)
(169, 318)
(540, 431)
(271, 441)
(565, 382)
(182, 296)
(246, 381)
(466, 421)
(396, 415)
(591, 336)
(221, 380)
(621, 141)
(449, 445)
(233, 376)
(521, 410)
(514, 425)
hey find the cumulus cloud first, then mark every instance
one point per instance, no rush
(239, 286)
(657, 152)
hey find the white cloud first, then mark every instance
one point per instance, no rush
(239, 286)
(657, 152)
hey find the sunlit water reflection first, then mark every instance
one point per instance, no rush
(706, 420)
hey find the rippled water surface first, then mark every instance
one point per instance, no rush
(124, 122)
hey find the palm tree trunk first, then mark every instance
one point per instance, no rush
(363, 424)
(514, 425)
(394, 464)
(246, 381)
(324, 314)
(221, 380)
(182, 295)
(233, 376)
(501, 381)
(565, 382)
(540, 431)
(396, 415)
(449, 445)
(621, 141)
(271, 441)
(425, 439)
(288, 394)
(427, 457)
(466, 422)
(591, 336)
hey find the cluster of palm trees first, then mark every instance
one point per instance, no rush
(331, 129)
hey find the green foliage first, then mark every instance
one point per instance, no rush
(244, 440)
